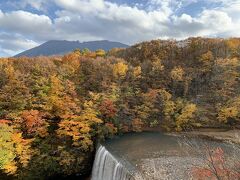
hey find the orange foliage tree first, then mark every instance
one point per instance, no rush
(33, 123)
(216, 167)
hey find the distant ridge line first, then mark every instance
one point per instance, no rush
(60, 47)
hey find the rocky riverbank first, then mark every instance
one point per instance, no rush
(216, 134)
(222, 135)
(179, 167)
(169, 168)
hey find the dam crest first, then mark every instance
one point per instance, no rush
(107, 167)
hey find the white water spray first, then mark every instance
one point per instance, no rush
(107, 167)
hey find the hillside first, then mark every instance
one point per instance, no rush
(56, 109)
(57, 47)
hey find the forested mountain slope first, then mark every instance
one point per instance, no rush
(202, 70)
(54, 109)
(57, 47)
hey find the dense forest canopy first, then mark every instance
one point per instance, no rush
(53, 110)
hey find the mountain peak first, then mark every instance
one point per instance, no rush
(60, 47)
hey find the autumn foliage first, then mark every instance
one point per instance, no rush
(217, 167)
(33, 123)
(54, 110)
(108, 109)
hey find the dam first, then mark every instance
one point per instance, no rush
(150, 156)
(107, 167)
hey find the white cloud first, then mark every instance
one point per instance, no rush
(12, 44)
(15, 42)
(84, 6)
(130, 24)
(109, 21)
(37, 4)
(40, 5)
(25, 22)
(215, 21)
(99, 19)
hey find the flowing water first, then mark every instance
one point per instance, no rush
(107, 167)
(149, 156)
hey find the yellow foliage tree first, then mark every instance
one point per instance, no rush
(137, 71)
(14, 149)
(187, 113)
(60, 102)
(100, 53)
(71, 63)
(157, 65)
(79, 127)
(234, 45)
(230, 111)
(177, 74)
(119, 70)
(207, 59)
(14, 95)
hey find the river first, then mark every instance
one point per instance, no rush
(152, 156)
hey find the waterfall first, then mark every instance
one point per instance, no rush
(107, 167)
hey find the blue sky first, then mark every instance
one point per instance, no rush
(28, 23)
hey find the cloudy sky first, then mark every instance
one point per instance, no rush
(28, 23)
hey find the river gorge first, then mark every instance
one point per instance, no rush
(153, 156)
